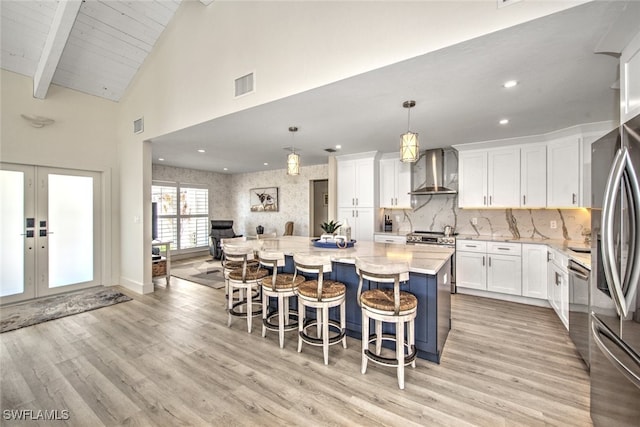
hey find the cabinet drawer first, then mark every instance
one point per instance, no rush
(504, 248)
(386, 238)
(471, 246)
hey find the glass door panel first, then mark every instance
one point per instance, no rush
(70, 205)
(17, 241)
(68, 225)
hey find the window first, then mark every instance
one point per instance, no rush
(183, 214)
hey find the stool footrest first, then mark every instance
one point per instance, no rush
(318, 341)
(270, 325)
(238, 313)
(390, 361)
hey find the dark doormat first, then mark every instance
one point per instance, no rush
(44, 309)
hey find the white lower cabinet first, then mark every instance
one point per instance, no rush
(558, 285)
(490, 266)
(534, 271)
(395, 239)
(471, 270)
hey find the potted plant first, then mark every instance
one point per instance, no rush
(330, 227)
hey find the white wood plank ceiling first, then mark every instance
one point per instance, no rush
(93, 46)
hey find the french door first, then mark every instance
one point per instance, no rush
(50, 226)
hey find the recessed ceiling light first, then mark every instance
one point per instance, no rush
(225, 169)
(266, 164)
(504, 121)
(510, 83)
(161, 159)
(338, 147)
(201, 151)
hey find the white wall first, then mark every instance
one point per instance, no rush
(291, 47)
(82, 137)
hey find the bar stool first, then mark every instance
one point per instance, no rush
(282, 286)
(322, 295)
(387, 305)
(229, 263)
(246, 279)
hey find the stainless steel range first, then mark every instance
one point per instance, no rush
(439, 239)
(431, 238)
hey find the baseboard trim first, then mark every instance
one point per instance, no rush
(136, 286)
(504, 297)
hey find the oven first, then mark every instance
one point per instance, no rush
(437, 239)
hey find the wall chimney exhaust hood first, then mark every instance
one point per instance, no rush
(427, 174)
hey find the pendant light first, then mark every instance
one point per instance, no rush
(293, 160)
(409, 141)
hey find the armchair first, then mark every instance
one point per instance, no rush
(220, 229)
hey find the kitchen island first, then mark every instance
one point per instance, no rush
(429, 281)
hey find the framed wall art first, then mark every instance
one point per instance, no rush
(263, 199)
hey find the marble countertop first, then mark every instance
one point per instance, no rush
(421, 258)
(562, 246)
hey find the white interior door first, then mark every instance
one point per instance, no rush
(53, 217)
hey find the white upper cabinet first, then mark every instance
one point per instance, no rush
(356, 181)
(533, 176)
(489, 178)
(563, 172)
(395, 183)
(472, 176)
(630, 80)
(503, 179)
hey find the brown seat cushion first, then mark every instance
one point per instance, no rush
(283, 281)
(330, 289)
(252, 274)
(232, 265)
(382, 299)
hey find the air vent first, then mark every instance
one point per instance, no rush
(244, 85)
(138, 125)
(330, 150)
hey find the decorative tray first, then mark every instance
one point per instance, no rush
(332, 244)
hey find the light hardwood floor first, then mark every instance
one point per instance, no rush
(169, 359)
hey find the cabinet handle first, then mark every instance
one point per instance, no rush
(573, 198)
(396, 201)
(489, 261)
(392, 201)
(484, 200)
(483, 260)
(470, 246)
(356, 214)
(490, 200)
(557, 279)
(504, 249)
(353, 202)
(356, 201)
(524, 200)
(353, 214)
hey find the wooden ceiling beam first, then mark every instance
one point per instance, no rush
(61, 26)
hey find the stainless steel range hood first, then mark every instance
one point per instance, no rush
(427, 174)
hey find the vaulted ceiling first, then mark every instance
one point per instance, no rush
(92, 46)
(566, 64)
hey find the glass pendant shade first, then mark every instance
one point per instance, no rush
(293, 164)
(409, 147)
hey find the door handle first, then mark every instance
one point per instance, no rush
(622, 169)
(573, 198)
(600, 329)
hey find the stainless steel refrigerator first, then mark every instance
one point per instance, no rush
(615, 273)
